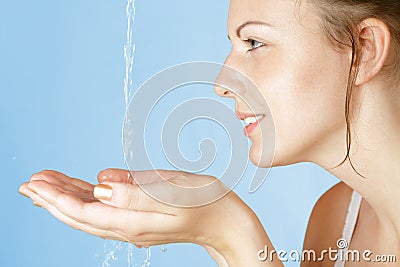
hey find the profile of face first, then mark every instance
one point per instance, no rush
(283, 50)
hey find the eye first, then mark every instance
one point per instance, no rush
(253, 44)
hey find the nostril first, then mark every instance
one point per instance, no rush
(221, 91)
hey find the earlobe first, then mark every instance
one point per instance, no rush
(374, 40)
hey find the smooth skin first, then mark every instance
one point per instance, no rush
(303, 77)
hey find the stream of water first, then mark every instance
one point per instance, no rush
(112, 247)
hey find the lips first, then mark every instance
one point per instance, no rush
(251, 120)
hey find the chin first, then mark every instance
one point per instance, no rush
(271, 157)
(260, 157)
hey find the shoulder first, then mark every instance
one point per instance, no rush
(327, 219)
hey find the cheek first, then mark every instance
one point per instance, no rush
(306, 95)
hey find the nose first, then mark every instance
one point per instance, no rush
(231, 81)
(221, 86)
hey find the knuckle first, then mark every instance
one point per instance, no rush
(133, 197)
(50, 173)
(106, 171)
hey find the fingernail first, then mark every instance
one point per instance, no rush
(37, 204)
(102, 191)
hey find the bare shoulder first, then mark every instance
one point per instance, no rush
(327, 220)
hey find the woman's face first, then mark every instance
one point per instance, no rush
(283, 50)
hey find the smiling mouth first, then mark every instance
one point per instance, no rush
(251, 120)
(252, 123)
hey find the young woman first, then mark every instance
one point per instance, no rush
(329, 70)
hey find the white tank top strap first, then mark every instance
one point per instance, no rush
(348, 229)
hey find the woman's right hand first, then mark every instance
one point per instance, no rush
(227, 228)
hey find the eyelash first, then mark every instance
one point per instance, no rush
(252, 42)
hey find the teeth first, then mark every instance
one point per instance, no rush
(250, 120)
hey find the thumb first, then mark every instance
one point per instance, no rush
(125, 196)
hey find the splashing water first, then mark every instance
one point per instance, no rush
(113, 250)
(110, 249)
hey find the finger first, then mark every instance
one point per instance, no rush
(70, 180)
(140, 241)
(160, 197)
(22, 189)
(154, 176)
(102, 216)
(127, 196)
(26, 191)
(57, 198)
(55, 175)
(69, 221)
(180, 191)
(63, 184)
(115, 175)
(136, 177)
(62, 180)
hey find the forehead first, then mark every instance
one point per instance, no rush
(260, 9)
(280, 13)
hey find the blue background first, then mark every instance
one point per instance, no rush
(62, 107)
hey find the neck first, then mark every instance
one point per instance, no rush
(375, 154)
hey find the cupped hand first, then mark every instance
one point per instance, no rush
(119, 208)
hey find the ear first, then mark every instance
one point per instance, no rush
(374, 38)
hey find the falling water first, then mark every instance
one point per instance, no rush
(129, 51)
(111, 247)
(129, 54)
(146, 263)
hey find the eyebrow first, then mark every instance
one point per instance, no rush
(247, 23)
